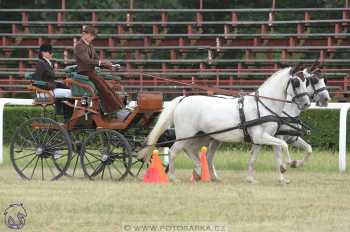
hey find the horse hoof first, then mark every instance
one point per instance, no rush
(284, 181)
(283, 168)
(252, 180)
(195, 176)
(173, 179)
(215, 179)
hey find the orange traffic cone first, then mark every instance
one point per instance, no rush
(205, 177)
(155, 173)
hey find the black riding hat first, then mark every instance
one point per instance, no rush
(45, 48)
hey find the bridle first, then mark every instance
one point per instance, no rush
(295, 82)
(313, 81)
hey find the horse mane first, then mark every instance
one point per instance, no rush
(273, 76)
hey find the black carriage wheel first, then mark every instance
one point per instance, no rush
(106, 154)
(78, 137)
(40, 149)
(138, 164)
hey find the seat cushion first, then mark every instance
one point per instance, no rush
(78, 91)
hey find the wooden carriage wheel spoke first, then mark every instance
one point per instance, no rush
(90, 163)
(110, 172)
(28, 163)
(18, 158)
(75, 164)
(97, 170)
(117, 169)
(93, 155)
(103, 171)
(53, 137)
(36, 163)
(42, 169)
(50, 168)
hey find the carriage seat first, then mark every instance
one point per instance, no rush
(57, 92)
(78, 91)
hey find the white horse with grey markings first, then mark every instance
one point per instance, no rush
(201, 114)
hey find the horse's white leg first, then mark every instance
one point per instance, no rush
(270, 140)
(289, 159)
(174, 150)
(212, 148)
(253, 155)
(280, 166)
(192, 149)
(300, 143)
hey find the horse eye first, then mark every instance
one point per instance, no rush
(307, 82)
(295, 83)
(314, 80)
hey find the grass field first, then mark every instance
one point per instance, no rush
(316, 200)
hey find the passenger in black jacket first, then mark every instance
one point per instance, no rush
(44, 71)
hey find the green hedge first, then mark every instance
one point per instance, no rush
(15, 115)
(324, 124)
(325, 128)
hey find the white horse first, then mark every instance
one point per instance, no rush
(194, 114)
(316, 88)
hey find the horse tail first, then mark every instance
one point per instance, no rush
(165, 120)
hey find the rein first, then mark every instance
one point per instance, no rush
(218, 90)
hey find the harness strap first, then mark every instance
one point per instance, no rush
(290, 133)
(293, 135)
(289, 119)
(254, 122)
(257, 102)
(247, 137)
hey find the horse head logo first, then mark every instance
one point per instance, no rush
(15, 216)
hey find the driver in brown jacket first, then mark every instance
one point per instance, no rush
(87, 59)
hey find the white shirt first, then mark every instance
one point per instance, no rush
(48, 61)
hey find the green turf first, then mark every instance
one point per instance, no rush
(315, 200)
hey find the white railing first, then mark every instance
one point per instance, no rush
(343, 107)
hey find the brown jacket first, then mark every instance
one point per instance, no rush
(45, 72)
(86, 56)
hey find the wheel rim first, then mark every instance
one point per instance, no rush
(106, 154)
(40, 149)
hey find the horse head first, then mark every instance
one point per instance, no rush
(317, 85)
(297, 89)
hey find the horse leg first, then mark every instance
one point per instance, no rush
(191, 149)
(300, 143)
(212, 148)
(253, 155)
(267, 139)
(174, 150)
(281, 168)
(289, 159)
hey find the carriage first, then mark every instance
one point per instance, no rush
(74, 131)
